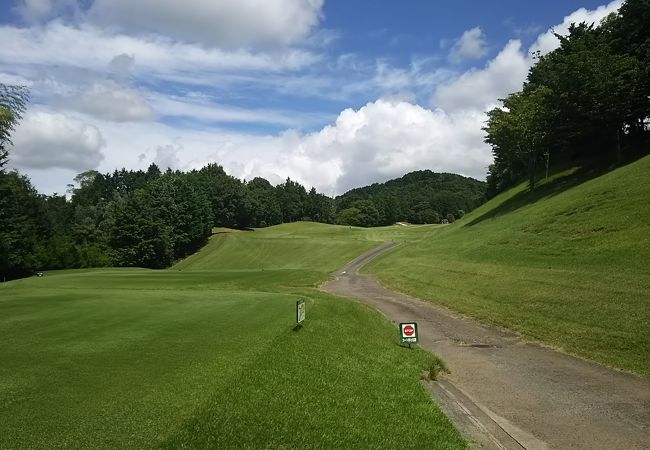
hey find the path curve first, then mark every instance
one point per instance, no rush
(505, 392)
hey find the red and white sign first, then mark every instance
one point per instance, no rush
(408, 332)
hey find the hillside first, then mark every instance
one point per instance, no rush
(418, 197)
(566, 265)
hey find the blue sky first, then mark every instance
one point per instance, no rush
(335, 94)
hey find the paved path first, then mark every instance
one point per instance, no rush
(505, 392)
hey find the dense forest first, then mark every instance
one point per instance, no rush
(418, 197)
(587, 101)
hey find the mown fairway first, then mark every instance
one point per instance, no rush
(567, 265)
(204, 355)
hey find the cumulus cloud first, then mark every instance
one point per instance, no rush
(224, 23)
(383, 140)
(166, 156)
(471, 45)
(109, 100)
(477, 89)
(379, 141)
(52, 140)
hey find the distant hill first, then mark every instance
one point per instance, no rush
(417, 197)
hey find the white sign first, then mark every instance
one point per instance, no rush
(300, 311)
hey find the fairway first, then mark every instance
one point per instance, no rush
(566, 265)
(204, 355)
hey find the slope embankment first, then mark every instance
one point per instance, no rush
(566, 265)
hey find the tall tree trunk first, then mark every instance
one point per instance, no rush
(618, 144)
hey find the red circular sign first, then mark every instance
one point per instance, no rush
(408, 330)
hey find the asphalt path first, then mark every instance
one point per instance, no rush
(508, 393)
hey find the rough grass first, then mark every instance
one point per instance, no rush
(566, 265)
(204, 355)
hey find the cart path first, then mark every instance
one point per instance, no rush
(505, 392)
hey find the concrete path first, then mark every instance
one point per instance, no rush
(505, 392)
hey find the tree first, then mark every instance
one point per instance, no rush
(21, 225)
(517, 132)
(596, 89)
(292, 196)
(13, 100)
(349, 216)
(138, 236)
(265, 206)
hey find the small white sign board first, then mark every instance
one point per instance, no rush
(300, 311)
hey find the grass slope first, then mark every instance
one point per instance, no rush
(566, 265)
(205, 356)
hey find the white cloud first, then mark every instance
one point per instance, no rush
(121, 65)
(385, 139)
(223, 23)
(207, 110)
(9, 78)
(90, 48)
(478, 89)
(52, 140)
(107, 99)
(547, 42)
(35, 10)
(167, 156)
(379, 141)
(471, 45)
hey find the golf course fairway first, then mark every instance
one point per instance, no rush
(205, 355)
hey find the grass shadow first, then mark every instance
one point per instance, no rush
(554, 186)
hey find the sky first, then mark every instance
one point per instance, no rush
(335, 94)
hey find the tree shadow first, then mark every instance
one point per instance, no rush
(554, 186)
(214, 233)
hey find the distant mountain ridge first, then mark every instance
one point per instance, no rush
(422, 196)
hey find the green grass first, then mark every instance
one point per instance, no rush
(204, 355)
(566, 265)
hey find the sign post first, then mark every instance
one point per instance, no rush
(408, 333)
(300, 312)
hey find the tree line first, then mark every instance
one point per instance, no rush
(588, 100)
(418, 197)
(138, 218)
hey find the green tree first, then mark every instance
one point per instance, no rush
(292, 197)
(265, 207)
(139, 237)
(517, 132)
(21, 225)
